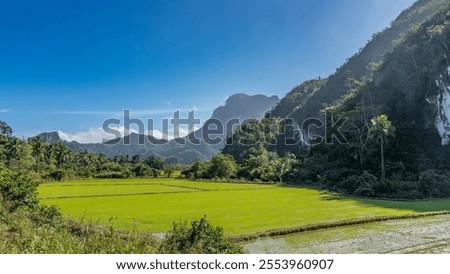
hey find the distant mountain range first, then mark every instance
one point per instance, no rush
(239, 106)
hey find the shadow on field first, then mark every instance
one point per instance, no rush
(415, 205)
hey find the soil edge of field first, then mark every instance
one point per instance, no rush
(327, 225)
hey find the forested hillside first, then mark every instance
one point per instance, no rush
(396, 113)
(310, 97)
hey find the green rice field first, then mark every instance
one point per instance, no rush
(153, 204)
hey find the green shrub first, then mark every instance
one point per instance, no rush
(46, 215)
(198, 238)
(312, 167)
(366, 186)
(405, 190)
(222, 166)
(197, 170)
(434, 185)
(113, 175)
(142, 170)
(61, 174)
(332, 176)
(84, 173)
(17, 190)
(361, 185)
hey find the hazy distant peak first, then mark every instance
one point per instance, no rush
(50, 137)
(245, 106)
(242, 98)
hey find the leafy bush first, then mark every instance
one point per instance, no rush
(432, 184)
(332, 176)
(313, 167)
(46, 215)
(61, 174)
(113, 175)
(84, 172)
(198, 170)
(361, 185)
(350, 184)
(404, 189)
(168, 170)
(223, 166)
(366, 185)
(17, 190)
(198, 238)
(142, 170)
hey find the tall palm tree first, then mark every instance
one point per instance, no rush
(62, 154)
(380, 131)
(83, 159)
(38, 147)
(49, 155)
(12, 149)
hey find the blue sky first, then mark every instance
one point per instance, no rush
(70, 65)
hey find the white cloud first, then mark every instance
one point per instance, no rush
(156, 133)
(93, 135)
(185, 131)
(4, 110)
(97, 135)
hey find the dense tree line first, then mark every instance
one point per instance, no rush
(57, 162)
(258, 164)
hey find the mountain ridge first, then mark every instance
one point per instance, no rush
(240, 105)
(358, 66)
